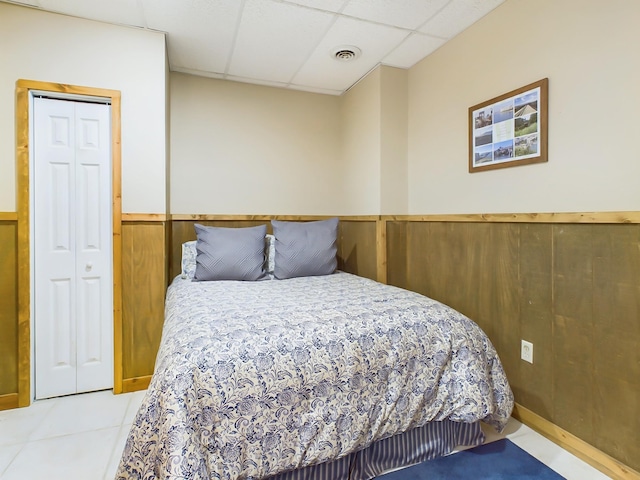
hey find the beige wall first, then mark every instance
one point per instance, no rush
(246, 149)
(589, 51)
(301, 153)
(360, 117)
(45, 47)
(374, 142)
(394, 192)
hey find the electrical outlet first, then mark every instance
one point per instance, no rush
(526, 351)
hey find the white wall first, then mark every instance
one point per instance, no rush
(36, 45)
(242, 149)
(589, 51)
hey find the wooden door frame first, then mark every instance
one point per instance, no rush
(23, 89)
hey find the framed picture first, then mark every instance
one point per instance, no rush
(509, 130)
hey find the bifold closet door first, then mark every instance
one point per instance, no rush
(72, 243)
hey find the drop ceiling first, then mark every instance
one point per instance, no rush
(287, 43)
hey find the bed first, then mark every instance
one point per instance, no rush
(329, 376)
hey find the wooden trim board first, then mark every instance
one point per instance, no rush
(570, 217)
(135, 384)
(145, 217)
(9, 401)
(266, 218)
(581, 449)
(561, 217)
(381, 250)
(8, 216)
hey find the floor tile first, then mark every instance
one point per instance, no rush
(491, 434)
(563, 462)
(116, 454)
(81, 437)
(82, 413)
(7, 454)
(17, 425)
(135, 399)
(82, 456)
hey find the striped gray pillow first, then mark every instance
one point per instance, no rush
(230, 253)
(305, 249)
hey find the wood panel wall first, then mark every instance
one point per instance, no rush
(150, 259)
(356, 238)
(570, 284)
(8, 313)
(572, 289)
(144, 282)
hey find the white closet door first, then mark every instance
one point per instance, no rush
(54, 248)
(73, 303)
(94, 281)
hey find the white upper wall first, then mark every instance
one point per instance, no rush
(40, 46)
(589, 51)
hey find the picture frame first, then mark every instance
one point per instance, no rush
(510, 130)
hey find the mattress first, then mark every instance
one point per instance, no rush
(253, 379)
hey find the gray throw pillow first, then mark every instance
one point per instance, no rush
(230, 253)
(305, 249)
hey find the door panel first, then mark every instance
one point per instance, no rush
(54, 249)
(94, 248)
(60, 346)
(73, 294)
(59, 214)
(91, 354)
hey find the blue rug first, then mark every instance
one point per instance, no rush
(499, 460)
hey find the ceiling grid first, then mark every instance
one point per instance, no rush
(287, 43)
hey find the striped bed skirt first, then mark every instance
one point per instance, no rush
(433, 440)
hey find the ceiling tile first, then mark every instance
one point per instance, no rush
(265, 83)
(412, 50)
(401, 13)
(201, 31)
(32, 3)
(199, 73)
(324, 71)
(283, 85)
(274, 39)
(327, 5)
(324, 91)
(458, 15)
(123, 12)
(286, 43)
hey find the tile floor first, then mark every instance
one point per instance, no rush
(81, 437)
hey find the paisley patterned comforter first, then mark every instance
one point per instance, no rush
(257, 378)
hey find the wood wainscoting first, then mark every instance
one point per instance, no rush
(8, 310)
(151, 252)
(357, 245)
(150, 255)
(568, 283)
(144, 282)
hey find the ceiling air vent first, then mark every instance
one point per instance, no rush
(346, 53)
